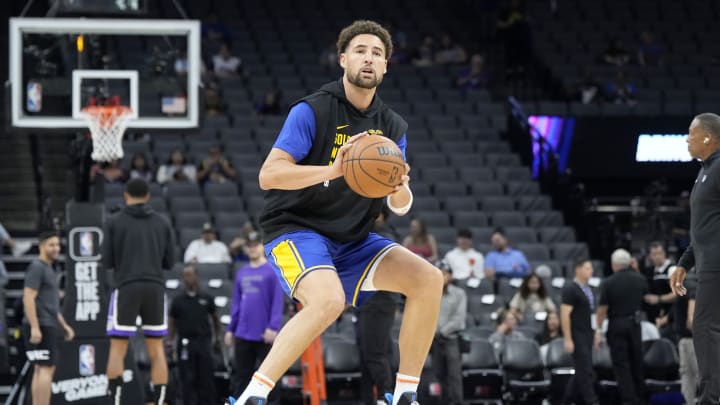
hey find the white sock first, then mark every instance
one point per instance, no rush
(404, 383)
(259, 386)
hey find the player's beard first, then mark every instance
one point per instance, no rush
(363, 83)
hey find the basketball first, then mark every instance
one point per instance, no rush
(373, 166)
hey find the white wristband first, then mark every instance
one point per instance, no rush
(402, 210)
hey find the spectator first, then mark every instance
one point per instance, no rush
(466, 262)
(578, 302)
(615, 54)
(588, 90)
(402, 54)
(176, 169)
(551, 329)
(270, 104)
(661, 297)
(650, 51)
(215, 168)
(255, 312)
(475, 76)
(420, 242)
(514, 28)
(194, 317)
(111, 171)
(446, 358)
(237, 245)
(207, 249)
(225, 64)
(503, 261)
(423, 56)
(621, 297)
(531, 298)
(214, 104)
(449, 52)
(329, 57)
(140, 168)
(620, 91)
(506, 322)
(214, 31)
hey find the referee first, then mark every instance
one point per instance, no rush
(704, 254)
(138, 245)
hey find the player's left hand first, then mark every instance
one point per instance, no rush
(69, 333)
(336, 169)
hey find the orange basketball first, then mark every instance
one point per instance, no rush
(373, 166)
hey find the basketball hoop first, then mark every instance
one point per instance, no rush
(107, 125)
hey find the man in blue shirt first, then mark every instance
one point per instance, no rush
(504, 261)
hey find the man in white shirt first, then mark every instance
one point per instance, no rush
(207, 249)
(225, 64)
(466, 262)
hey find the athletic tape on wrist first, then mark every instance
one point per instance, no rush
(402, 210)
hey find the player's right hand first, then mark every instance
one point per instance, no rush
(569, 346)
(35, 335)
(676, 281)
(336, 170)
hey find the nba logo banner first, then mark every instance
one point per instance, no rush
(87, 360)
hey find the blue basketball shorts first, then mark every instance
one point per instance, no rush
(296, 254)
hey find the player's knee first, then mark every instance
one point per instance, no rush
(330, 306)
(45, 374)
(429, 280)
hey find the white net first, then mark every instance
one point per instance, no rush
(107, 126)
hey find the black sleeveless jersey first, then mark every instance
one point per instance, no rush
(331, 208)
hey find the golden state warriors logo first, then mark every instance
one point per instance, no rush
(341, 139)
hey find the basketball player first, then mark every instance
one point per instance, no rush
(317, 230)
(41, 303)
(138, 245)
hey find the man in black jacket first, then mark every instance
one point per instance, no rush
(704, 254)
(138, 245)
(621, 298)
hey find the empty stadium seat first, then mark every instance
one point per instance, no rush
(533, 251)
(482, 376)
(218, 204)
(552, 234)
(182, 190)
(487, 188)
(453, 204)
(507, 218)
(191, 219)
(545, 218)
(469, 219)
(569, 250)
(497, 203)
(520, 234)
(523, 368)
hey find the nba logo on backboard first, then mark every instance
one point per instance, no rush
(84, 243)
(87, 360)
(87, 244)
(34, 97)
